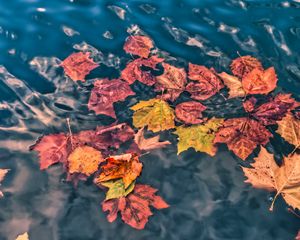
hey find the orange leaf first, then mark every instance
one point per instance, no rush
(138, 45)
(241, 66)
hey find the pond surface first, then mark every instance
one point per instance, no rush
(208, 197)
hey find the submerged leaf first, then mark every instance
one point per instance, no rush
(154, 113)
(199, 137)
(138, 45)
(105, 93)
(241, 66)
(234, 84)
(78, 65)
(190, 112)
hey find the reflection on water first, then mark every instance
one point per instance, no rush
(207, 195)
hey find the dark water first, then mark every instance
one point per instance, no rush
(207, 195)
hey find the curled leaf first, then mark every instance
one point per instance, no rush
(154, 113)
(138, 45)
(190, 112)
(234, 84)
(241, 66)
(78, 65)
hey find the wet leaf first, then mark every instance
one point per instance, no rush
(241, 66)
(234, 84)
(154, 113)
(78, 65)
(105, 93)
(206, 84)
(84, 160)
(190, 112)
(116, 189)
(289, 129)
(259, 81)
(172, 82)
(3, 173)
(242, 135)
(133, 70)
(126, 166)
(298, 236)
(285, 180)
(199, 137)
(135, 208)
(138, 45)
(23, 236)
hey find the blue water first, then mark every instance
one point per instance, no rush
(208, 197)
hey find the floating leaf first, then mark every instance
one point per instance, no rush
(190, 112)
(135, 208)
(289, 129)
(147, 144)
(285, 179)
(3, 173)
(105, 93)
(84, 160)
(242, 135)
(173, 81)
(78, 65)
(234, 84)
(133, 70)
(154, 113)
(259, 81)
(24, 236)
(199, 137)
(241, 66)
(138, 45)
(126, 166)
(116, 189)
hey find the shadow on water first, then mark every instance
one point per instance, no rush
(208, 197)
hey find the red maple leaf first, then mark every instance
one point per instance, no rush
(190, 112)
(241, 66)
(138, 45)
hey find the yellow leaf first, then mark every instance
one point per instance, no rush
(199, 137)
(84, 160)
(234, 84)
(154, 113)
(116, 189)
(23, 237)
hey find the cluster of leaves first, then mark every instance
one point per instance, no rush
(93, 152)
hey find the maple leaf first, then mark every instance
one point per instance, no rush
(260, 81)
(173, 81)
(138, 45)
(105, 93)
(271, 112)
(199, 137)
(190, 112)
(234, 84)
(206, 84)
(3, 173)
(154, 113)
(242, 135)
(284, 179)
(133, 70)
(78, 65)
(148, 143)
(289, 129)
(23, 236)
(84, 160)
(125, 166)
(135, 208)
(241, 66)
(116, 189)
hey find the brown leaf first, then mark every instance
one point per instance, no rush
(78, 65)
(190, 112)
(234, 84)
(241, 66)
(105, 93)
(138, 45)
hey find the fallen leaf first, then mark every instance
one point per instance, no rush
(154, 113)
(206, 84)
(259, 81)
(241, 66)
(133, 70)
(105, 93)
(84, 160)
(78, 65)
(3, 173)
(147, 144)
(135, 208)
(284, 179)
(234, 84)
(298, 236)
(289, 129)
(172, 82)
(125, 166)
(199, 137)
(190, 112)
(24, 236)
(138, 45)
(242, 135)
(116, 189)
